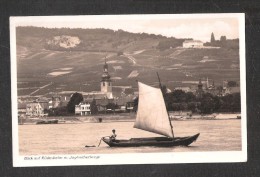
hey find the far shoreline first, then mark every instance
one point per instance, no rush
(126, 117)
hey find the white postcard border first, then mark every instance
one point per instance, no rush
(126, 158)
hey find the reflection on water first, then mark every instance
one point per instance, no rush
(215, 135)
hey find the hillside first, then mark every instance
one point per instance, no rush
(72, 59)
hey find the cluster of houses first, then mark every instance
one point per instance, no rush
(207, 87)
(199, 44)
(105, 97)
(37, 107)
(103, 105)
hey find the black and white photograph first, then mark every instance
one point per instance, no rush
(128, 89)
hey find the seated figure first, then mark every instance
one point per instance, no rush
(113, 136)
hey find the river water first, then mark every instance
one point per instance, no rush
(215, 135)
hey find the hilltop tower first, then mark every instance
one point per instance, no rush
(106, 83)
(212, 39)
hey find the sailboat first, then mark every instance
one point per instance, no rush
(152, 116)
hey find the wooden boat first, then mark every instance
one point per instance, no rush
(152, 116)
(47, 122)
(154, 141)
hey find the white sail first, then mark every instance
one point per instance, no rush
(152, 114)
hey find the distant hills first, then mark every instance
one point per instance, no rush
(72, 59)
(91, 39)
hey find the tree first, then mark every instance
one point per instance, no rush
(179, 96)
(59, 111)
(178, 100)
(93, 107)
(190, 97)
(207, 104)
(164, 90)
(136, 104)
(236, 102)
(230, 103)
(192, 106)
(111, 106)
(74, 100)
(231, 84)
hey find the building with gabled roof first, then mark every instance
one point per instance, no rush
(192, 44)
(37, 108)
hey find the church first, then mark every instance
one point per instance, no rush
(106, 91)
(106, 83)
(102, 98)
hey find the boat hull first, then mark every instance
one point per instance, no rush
(47, 122)
(154, 141)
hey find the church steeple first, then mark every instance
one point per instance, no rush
(105, 67)
(106, 84)
(105, 75)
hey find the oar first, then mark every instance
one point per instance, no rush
(90, 146)
(98, 144)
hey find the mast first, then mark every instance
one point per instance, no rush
(160, 85)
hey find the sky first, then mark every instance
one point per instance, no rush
(196, 26)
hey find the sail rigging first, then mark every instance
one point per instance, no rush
(152, 114)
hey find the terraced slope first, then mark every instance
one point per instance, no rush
(130, 57)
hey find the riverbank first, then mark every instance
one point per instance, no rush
(127, 117)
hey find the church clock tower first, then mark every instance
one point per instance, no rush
(106, 83)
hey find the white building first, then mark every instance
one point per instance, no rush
(83, 109)
(185, 89)
(192, 44)
(36, 108)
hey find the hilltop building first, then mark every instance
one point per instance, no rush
(192, 44)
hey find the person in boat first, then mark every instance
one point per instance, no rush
(113, 136)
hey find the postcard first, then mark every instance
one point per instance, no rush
(128, 89)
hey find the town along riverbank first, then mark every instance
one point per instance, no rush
(128, 117)
(83, 119)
